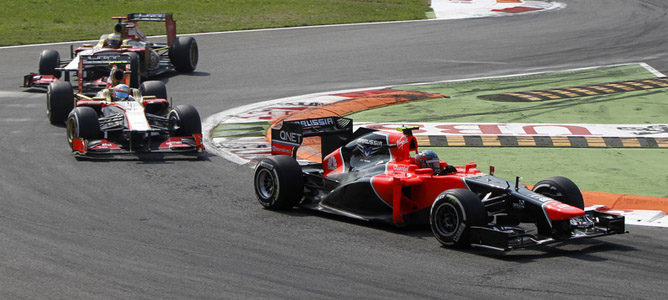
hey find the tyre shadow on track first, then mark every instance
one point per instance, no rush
(582, 249)
(148, 158)
(415, 231)
(162, 77)
(585, 250)
(165, 77)
(34, 90)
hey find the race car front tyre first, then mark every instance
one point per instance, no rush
(184, 121)
(153, 88)
(59, 101)
(452, 215)
(184, 54)
(563, 190)
(278, 182)
(49, 60)
(135, 70)
(82, 123)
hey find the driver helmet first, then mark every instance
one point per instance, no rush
(114, 40)
(428, 159)
(121, 92)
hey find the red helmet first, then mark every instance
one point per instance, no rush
(428, 159)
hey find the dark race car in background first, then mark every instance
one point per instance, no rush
(108, 69)
(96, 73)
(151, 59)
(372, 175)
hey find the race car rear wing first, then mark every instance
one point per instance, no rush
(170, 24)
(123, 62)
(104, 59)
(287, 136)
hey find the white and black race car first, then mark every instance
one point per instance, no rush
(143, 124)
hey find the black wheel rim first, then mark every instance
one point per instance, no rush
(265, 184)
(550, 191)
(72, 129)
(174, 122)
(446, 219)
(194, 56)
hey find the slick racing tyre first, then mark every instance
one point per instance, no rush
(184, 121)
(153, 88)
(157, 89)
(82, 123)
(563, 190)
(278, 182)
(135, 70)
(59, 101)
(49, 60)
(452, 215)
(184, 54)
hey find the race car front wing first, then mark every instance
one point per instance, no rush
(105, 149)
(36, 80)
(592, 224)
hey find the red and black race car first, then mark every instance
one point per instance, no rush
(148, 59)
(373, 175)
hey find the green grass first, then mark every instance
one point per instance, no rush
(628, 171)
(40, 21)
(638, 107)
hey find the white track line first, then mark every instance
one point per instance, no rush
(270, 29)
(239, 31)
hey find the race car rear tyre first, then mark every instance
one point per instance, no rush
(153, 88)
(452, 215)
(49, 60)
(278, 182)
(135, 70)
(82, 123)
(184, 54)
(59, 101)
(184, 121)
(563, 190)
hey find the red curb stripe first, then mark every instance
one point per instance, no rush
(625, 201)
(516, 9)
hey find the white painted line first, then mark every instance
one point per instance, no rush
(239, 31)
(14, 120)
(530, 73)
(553, 5)
(652, 70)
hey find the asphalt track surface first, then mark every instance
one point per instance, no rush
(193, 229)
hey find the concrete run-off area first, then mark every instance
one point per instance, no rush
(464, 9)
